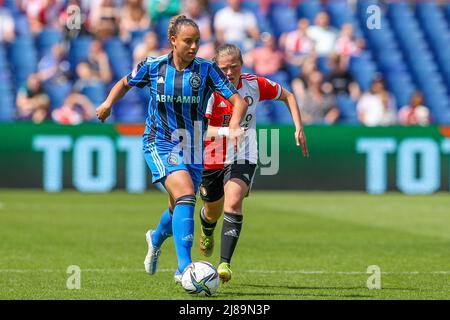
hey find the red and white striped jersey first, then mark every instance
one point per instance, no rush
(218, 151)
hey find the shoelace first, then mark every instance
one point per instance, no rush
(207, 242)
(156, 253)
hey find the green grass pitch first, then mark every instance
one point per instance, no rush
(294, 245)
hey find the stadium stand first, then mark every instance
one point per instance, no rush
(410, 50)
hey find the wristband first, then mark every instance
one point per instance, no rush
(223, 132)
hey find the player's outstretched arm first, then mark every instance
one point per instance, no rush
(116, 93)
(300, 138)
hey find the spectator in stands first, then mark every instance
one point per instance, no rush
(133, 18)
(347, 45)
(33, 9)
(32, 102)
(233, 25)
(160, 9)
(86, 77)
(297, 46)
(99, 62)
(76, 109)
(267, 60)
(341, 80)
(377, 106)
(300, 83)
(415, 113)
(147, 48)
(105, 19)
(323, 35)
(316, 105)
(195, 10)
(7, 31)
(53, 66)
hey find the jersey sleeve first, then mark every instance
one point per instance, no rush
(268, 89)
(140, 76)
(219, 82)
(210, 106)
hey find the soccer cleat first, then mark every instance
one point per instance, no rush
(206, 244)
(151, 259)
(224, 272)
(177, 276)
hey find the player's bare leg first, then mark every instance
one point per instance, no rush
(235, 192)
(209, 214)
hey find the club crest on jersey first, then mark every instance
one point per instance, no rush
(195, 80)
(172, 159)
(249, 100)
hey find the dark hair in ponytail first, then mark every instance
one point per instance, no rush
(176, 22)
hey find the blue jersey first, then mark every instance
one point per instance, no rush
(178, 99)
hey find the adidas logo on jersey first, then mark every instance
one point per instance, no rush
(222, 104)
(160, 80)
(232, 233)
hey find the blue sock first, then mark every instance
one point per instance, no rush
(183, 229)
(163, 230)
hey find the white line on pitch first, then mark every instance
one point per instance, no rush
(241, 271)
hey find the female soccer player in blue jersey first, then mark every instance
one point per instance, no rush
(180, 85)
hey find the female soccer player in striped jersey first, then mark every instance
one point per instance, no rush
(180, 85)
(228, 175)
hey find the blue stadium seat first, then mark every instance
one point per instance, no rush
(7, 103)
(119, 58)
(46, 39)
(96, 92)
(339, 12)
(161, 30)
(447, 11)
(390, 61)
(57, 92)
(280, 113)
(282, 19)
(23, 58)
(402, 93)
(363, 71)
(130, 108)
(347, 109)
(265, 112)
(216, 5)
(22, 26)
(309, 9)
(79, 50)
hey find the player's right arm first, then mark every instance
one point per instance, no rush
(116, 93)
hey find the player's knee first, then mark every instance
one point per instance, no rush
(188, 200)
(212, 213)
(234, 205)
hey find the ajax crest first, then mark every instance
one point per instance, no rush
(195, 81)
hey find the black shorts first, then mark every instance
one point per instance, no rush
(211, 188)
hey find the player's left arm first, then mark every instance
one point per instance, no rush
(291, 102)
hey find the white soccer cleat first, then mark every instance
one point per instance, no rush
(151, 259)
(177, 277)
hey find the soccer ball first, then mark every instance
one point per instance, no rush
(200, 278)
